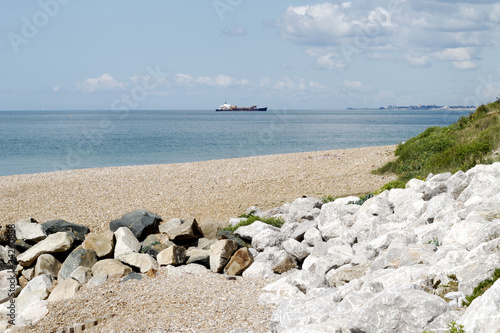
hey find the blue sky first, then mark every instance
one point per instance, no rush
(69, 54)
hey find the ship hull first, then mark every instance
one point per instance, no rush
(242, 109)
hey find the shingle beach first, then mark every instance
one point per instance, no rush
(211, 190)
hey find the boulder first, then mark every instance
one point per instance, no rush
(174, 255)
(248, 232)
(82, 274)
(47, 264)
(220, 253)
(65, 288)
(42, 282)
(303, 209)
(483, 314)
(283, 263)
(198, 256)
(8, 285)
(143, 262)
(77, 258)
(169, 225)
(394, 312)
(97, 280)
(301, 228)
(140, 222)
(397, 257)
(126, 242)
(209, 229)
(296, 249)
(29, 230)
(100, 243)
(312, 236)
(112, 268)
(267, 238)
(54, 243)
(337, 278)
(55, 226)
(239, 262)
(186, 231)
(132, 276)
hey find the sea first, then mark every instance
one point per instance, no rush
(44, 141)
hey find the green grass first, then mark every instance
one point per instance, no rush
(482, 287)
(250, 218)
(459, 146)
(453, 327)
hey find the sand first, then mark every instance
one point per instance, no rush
(210, 190)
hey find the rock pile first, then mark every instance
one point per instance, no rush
(56, 258)
(402, 261)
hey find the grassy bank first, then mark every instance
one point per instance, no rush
(460, 146)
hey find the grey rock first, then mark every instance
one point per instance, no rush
(220, 253)
(303, 209)
(312, 236)
(132, 276)
(250, 231)
(339, 277)
(483, 314)
(398, 257)
(77, 258)
(267, 238)
(82, 274)
(283, 263)
(126, 242)
(54, 243)
(140, 222)
(97, 280)
(299, 231)
(296, 249)
(397, 312)
(42, 282)
(55, 226)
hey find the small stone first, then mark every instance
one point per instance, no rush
(110, 267)
(54, 243)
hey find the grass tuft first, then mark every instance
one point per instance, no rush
(250, 218)
(460, 146)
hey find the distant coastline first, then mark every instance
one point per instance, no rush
(421, 107)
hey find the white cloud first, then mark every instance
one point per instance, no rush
(418, 60)
(220, 80)
(55, 89)
(464, 65)
(292, 84)
(104, 82)
(354, 85)
(418, 32)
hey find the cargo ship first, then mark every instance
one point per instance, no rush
(229, 107)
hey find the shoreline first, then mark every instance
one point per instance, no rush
(206, 190)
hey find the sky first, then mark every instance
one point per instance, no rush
(124, 55)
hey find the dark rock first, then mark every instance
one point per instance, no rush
(21, 245)
(77, 230)
(140, 222)
(226, 234)
(79, 257)
(186, 231)
(132, 276)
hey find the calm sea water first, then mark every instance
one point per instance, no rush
(43, 141)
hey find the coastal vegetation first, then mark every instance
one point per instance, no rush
(460, 146)
(251, 218)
